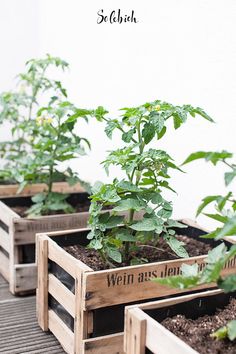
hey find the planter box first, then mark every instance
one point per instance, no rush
(85, 308)
(144, 334)
(17, 238)
(10, 190)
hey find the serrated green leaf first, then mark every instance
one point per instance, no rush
(177, 246)
(229, 176)
(114, 254)
(127, 136)
(211, 156)
(207, 201)
(38, 198)
(125, 236)
(177, 281)
(129, 203)
(189, 270)
(146, 224)
(228, 284)
(148, 132)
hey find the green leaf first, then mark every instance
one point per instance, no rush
(229, 176)
(221, 333)
(125, 236)
(127, 136)
(217, 217)
(213, 157)
(229, 229)
(162, 133)
(231, 326)
(173, 223)
(228, 331)
(128, 186)
(99, 113)
(207, 201)
(189, 270)
(38, 198)
(228, 284)
(129, 203)
(95, 244)
(114, 254)
(148, 132)
(178, 281)
(146, 224)
(111, 221)
(177, 121)
(111, 125)
(177, 246)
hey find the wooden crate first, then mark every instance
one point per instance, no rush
(144, 334)
(17, 241)
(99, 297)
(10, 190)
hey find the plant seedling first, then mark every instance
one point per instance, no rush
(146, 174)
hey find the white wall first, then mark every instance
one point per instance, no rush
(180, 51)
(19, 41)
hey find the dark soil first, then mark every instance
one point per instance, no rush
(149, 252)
(196, 333)
(79, 207)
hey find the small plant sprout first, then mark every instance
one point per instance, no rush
(147, 173)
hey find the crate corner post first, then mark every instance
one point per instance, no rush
(135, 331)
(42, 287)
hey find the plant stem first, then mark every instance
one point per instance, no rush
(131, 211)
(158, 249)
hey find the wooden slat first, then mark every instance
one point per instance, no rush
(128, 284)
(7, 214)
(61, 332)
(62, 294)
(25, 277)
(64, 259)
(82, 325)
(26, 228)
(135, 331)
(4, 240)
(160, 341)
(176, 300)
(4, 266)
(7, 191)
(110, 344)
(42, 290)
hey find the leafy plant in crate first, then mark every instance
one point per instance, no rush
(19, 107)
(147, 173)
(220, 256)
(56, 142)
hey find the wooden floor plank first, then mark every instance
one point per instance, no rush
(19, 330)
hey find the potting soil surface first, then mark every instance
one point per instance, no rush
(150, 252)
(197, 333)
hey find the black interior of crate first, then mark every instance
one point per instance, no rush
(73, 199)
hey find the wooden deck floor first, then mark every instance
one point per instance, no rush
(19, 331)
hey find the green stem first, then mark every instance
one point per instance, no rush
(131, 212)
